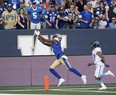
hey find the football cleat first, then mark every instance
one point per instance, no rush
(83, 77)
(110, 73)
(103, 88)
(61, 81)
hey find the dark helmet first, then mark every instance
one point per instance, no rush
(95, 44)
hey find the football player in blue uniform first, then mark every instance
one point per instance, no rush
(35, 14)
(55, 44)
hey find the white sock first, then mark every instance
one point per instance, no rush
(103, 85)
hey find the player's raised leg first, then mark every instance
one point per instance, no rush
(110, 73)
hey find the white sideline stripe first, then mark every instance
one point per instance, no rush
(86, 90)
(94, 88)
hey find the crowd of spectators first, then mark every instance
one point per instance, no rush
(58, 14)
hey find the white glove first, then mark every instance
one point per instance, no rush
(36, 33)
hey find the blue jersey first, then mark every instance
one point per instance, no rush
(61, 23)
(42, 19)
(52, 2)
(100, 11)
(35, 14)
(86, 16)
(108, 1)
(1, 10)
(52, 16)
(57, 50)
(15, 4)
(60, 1)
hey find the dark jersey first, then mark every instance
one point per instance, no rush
(52, 16)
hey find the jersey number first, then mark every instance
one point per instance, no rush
(93, 55)
(9, 17)
(35, 15)
(52, 19)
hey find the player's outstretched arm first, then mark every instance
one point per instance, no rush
(44, 40)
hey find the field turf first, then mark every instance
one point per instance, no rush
(61, 90)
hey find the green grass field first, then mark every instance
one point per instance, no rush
(61, 90)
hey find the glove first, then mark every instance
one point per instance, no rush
(89, 64)
(107, 65)
(36, 33)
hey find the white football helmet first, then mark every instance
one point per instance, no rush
(58, 36)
